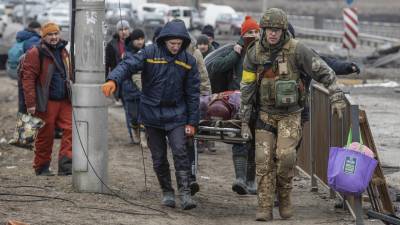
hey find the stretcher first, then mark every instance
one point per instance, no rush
(227, 131)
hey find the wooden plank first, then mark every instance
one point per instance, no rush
(378, 180)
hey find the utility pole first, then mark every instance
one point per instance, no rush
(264, 5)
(24, 13)
(196, 4)
(89, 124)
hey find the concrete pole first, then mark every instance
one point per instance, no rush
(196, 4)
(264, 5)
(24, 13)
(89, 138)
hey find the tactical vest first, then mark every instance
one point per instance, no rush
(281, 90)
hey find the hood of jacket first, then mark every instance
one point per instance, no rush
(24, 35)
(174, 29)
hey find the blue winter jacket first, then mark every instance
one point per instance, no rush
(171, 83)
(129, 90)
(30, 38)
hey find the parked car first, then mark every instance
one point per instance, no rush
(229, 24)
(58, 15)
(116, 14)
(210, 12)
(3, 19)
(32, 11)
(196, 21)
(183, 13)
(153, 12)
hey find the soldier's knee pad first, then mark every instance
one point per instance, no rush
(264, 147)
(286, 160)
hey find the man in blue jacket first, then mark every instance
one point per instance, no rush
(169, 104)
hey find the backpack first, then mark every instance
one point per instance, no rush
(14, 55)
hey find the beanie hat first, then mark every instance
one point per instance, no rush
(249, 24)
(122, 24)
(34, 25)
(202, 39)
(136, 34)
(49, 27)
(208, 30)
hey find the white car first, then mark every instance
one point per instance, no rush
(183, 13)
(3, 19)
(210, 12)
(58, 15)
(153, 12)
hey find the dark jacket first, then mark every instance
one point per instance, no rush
(30, 38)
(112, 54)
(231, 66)
(171, 83)
(215, 44)
(37, 79)
(129, 91)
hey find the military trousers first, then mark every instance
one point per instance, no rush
(276, 138)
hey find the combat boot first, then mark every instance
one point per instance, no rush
(264, 214)
(168, 199)
(168, 195)
(240, 165)
(250, 178)
(182, 179)
(194, 186)
(285, 204)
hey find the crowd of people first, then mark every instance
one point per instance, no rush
(160, 86)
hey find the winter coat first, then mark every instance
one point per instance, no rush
(205, 87)
(30, 39)
(230, 65)
(130, 91)
(53, 79)
(113, 54)
(171, 83)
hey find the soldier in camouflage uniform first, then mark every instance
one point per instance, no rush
(271, 86)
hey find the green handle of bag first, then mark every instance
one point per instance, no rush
(350, 138)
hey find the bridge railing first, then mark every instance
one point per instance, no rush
(323, 131)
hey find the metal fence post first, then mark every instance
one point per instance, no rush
(314, 185)
(355, 125)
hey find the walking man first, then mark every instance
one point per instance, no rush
(271, 85)
(169, 104)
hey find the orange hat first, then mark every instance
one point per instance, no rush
(49, 27)
(249, 24)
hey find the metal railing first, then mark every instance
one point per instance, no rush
(322, 132)
(373, 34)
(336, 36)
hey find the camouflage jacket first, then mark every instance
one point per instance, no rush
(303, 59)
(205, 87)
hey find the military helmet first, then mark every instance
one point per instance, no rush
(274, 18)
